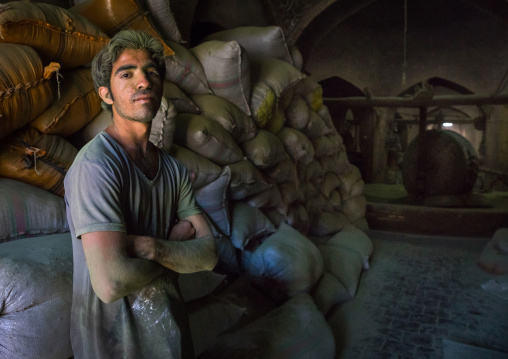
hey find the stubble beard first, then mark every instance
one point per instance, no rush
(147, 114)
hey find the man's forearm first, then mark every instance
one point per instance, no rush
(190, 256)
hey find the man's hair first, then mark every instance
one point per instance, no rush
(102, 64)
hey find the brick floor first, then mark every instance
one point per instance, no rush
(420, 290)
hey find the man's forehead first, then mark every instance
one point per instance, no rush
(134, 57)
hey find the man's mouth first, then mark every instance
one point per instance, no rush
(143, 97)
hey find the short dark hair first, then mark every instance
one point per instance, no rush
(102, 64)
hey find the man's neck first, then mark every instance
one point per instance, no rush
(132, 136)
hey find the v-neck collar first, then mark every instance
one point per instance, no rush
(110, 138)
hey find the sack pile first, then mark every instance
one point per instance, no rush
(266, 162)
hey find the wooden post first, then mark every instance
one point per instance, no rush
(422, 156)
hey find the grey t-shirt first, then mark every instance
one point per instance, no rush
(106, 191)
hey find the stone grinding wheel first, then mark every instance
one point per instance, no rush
(451, 165)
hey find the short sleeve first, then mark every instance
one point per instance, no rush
(187, 205)
(93, 199)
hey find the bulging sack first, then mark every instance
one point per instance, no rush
(227, 69)
(74, 109)
(112, 16)
(57, 34)
(28, 211)
(25, 86)
(37, 159)
(261, 42)
(207, 138)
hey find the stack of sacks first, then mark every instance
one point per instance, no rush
(46, 94)
(266, 163)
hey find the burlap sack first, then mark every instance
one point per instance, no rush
(37, 159)
(246, 180)
(290, 193)
(185, 71)
(297, 113)
(327, 145)
(179, 98)
(209, 317)
(36, 297)
(354, 207)
(282, 172)
(327, 223)
(265, 149)
(286, 264)
(77, 105)
(328, 292)
(270, 77)
(201, 170)
(346, 255)
(268, 198)
(312, 92)
(25, 86)
(213, 199)
(298, 218)
(228, 115)
(294, 330)
(57, 34)
(164, 20)
(316, 127)
(330, 182)
(28, 211)
(248, 223)
(207, 138)
(261, 42)
(163, 126)
(297, 145)
(112, 16)
(227, 69)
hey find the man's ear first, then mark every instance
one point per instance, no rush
(105, 95)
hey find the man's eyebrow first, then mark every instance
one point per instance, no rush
(130, 67)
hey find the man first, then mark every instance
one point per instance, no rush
(123, 195)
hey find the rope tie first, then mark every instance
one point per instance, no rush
(35, 152)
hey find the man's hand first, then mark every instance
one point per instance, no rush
(182, 231)
(143, 247)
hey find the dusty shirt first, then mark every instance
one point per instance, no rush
(106, 191)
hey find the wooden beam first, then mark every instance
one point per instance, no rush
(447, 100)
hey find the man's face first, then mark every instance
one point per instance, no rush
(136, 87)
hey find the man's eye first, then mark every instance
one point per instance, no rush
(124, 75)
(153, 73)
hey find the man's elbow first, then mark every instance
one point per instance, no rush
(107, 293)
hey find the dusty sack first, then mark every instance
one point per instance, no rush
(260, 41)
(27, 211)
(57, 34)
(163, 126)
(228, 115)
(164, 20)
(227, 69)
(185, 71)
(246, 180)
(77, 105)
(296, 329)
(25, 86)
(112, 16)
(36, 297)
(37, 159)
(201, 170)
(286, 264)
(207, 138)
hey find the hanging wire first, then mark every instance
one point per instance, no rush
(404, 64)
(502, 84)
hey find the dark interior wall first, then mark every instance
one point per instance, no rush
(362, 42)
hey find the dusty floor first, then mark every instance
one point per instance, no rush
(419, 292)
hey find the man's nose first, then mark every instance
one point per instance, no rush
(143, 81)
